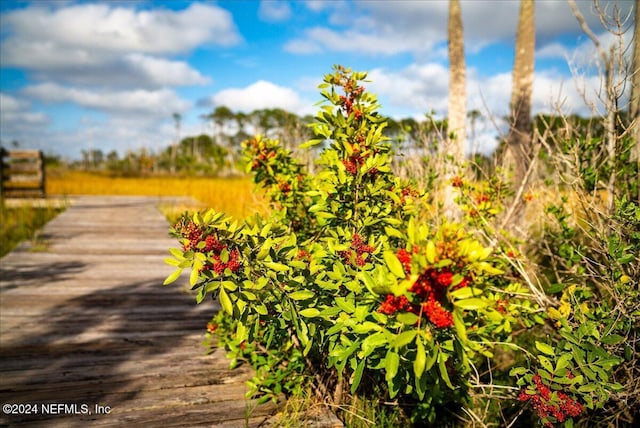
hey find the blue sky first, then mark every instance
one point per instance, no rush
(109, 75)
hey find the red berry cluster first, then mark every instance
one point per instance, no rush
(212, 327)
(190, 231)
(233, 263)
(195, 236)
(394, 304)
(457, 181)
(501, 305)
(352, 91)
(408, 192)
(353, 163)
(355, 256)
(303, 255)
(439, 316)
(447, 248)
(482, 197)
(544, 404)
(431, 288)
(284, 187)
(356, 160)
(261, 152)
(405, 258)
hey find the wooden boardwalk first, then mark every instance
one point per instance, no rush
(87, 329)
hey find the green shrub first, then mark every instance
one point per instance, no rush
(351, 289)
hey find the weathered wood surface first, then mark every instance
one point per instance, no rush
(22, 173)
(88, 322)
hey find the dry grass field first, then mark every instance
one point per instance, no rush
(234, 196)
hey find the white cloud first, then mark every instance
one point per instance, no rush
(166, 73)
(300, 46)
(373, 28)
(274, 10)
(9, 103)
(315, 5)
(15, 113)
(364, 42)
(112, 45)
(102, 27)
(388, 28)
(156, 103)
(17, 119)
(416, 87)
(553, 50)
(261, 95)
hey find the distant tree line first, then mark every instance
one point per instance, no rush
(218, 153)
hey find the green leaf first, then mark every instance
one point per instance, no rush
(224, 255)
(365, 327)
(404, 338)
(368, 282)
(393, 264)
(225, 302)
(301, 295)
(195, 271)
(178, 254)
(357, 376)
(278, 267)
(309, 312)
(563, 361)
(517, 371)
(433, 356)
(173, 262)
(392, 362)
(229, 285)
(345, 305)
(420, 361)
(202, 292)
(171, 278)
(544, 348)
(372, 342)
(470, 304)
(458, 323)
(392, 232)
(612, 339)
(466, 292)
(442, 360)
(431, 252)
(545, 363)
(407, 318)
(311, 143)
(264, 249)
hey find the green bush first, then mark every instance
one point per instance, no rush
(351, 289)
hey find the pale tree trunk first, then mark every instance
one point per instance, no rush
(456, 132)
(519, 138)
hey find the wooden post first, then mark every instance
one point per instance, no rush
(22, 173)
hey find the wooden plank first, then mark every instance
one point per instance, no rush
(23, 154)
(22, 174)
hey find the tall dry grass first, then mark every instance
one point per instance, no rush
(234, 196)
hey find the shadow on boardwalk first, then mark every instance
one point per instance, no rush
(88, 331)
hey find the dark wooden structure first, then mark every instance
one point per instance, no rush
(22, 173)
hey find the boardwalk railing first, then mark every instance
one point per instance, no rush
(22, 173)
